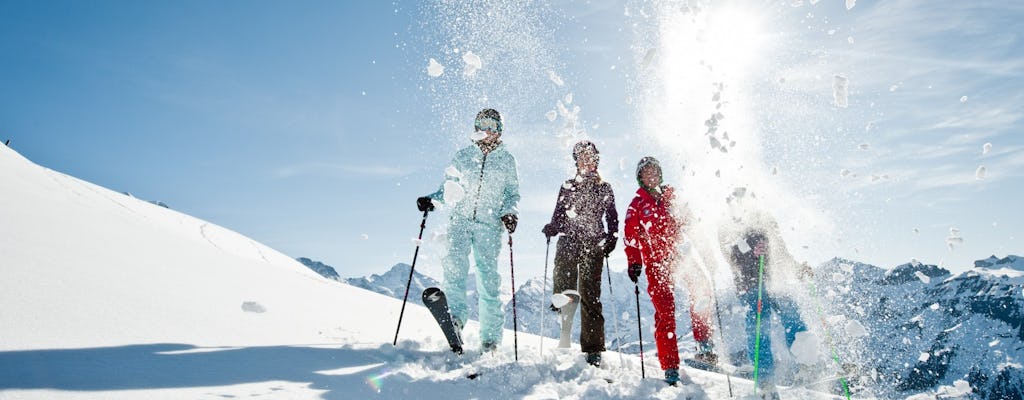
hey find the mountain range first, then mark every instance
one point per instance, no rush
(897, 331)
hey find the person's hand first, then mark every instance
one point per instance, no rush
(634, 272)
(510, 221)
(609, 243)
(550, 230)
(761, 248)
(424, 204)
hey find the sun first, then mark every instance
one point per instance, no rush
(732, 39)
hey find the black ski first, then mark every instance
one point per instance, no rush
(437, 303)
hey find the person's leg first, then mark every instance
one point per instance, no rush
(591, 312)
(701, 304)
(764, 363)
(566, 277)
(456, 266)
(659, 287)
(790, 317)
(486, 246)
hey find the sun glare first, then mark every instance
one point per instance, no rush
(733, 39)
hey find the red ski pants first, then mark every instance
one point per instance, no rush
(660, 287)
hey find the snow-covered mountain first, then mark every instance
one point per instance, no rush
(925, 327)
(905, 330)
(108, 296)
(324, 270)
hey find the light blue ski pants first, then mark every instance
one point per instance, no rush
(484, 242)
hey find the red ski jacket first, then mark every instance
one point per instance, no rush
(651, 231)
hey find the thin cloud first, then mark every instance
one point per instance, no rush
(329, 169)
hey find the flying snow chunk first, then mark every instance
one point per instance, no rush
(844, 173)
(993, 343)
(559, 300)
(924, 357)
(959, 389)
(934, 306)
(917, 230)
(980, 172)
(963, 99)
(864, 146)
(850, 4)
(477, 135)
(924, 278)
(435, 69)
(855, 329)
(365, 236)
(453, 172)
(555, 78)
(986, 148)
(806, 347)
(840, 93)
(954, 238)
(849, 39)
(568, 98)
(453, 192)
(551, 115)
(473, 63)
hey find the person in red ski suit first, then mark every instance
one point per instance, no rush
(652, 233)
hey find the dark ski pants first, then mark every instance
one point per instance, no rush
(660, 287)
(578, 267)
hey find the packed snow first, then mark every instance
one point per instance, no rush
(145, 302)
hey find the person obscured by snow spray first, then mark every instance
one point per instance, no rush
(586, 218)
(482, 188)
(752, 243)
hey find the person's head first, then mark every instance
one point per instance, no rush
(648, 173)
(488, 122)
(586, 156)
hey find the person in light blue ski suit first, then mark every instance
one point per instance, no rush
(762, 266)
(481, 188)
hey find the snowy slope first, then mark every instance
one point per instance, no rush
(107, 296)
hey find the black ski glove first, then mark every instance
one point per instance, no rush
(609, 244)
(634, 272)
(550, 230)
(510, 221)
(424, 204)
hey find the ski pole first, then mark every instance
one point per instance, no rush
(419, 240)
(828, 337)
(757, 332)
(615, 309)
(718, 309)
(639, 331)
(515, 326)
(544, 290)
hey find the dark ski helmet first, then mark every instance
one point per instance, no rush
(582, 146)
(488, 118)
(644, 163)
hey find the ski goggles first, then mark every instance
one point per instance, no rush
(488, 124)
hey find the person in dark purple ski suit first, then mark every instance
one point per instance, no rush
(588, 223)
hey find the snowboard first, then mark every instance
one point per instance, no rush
(437, 303)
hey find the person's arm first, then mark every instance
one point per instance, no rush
(634, 235)
(558, 218)
(510, 198)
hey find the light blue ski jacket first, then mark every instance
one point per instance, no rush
(489, 182)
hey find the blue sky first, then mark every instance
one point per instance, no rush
(313, 126)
